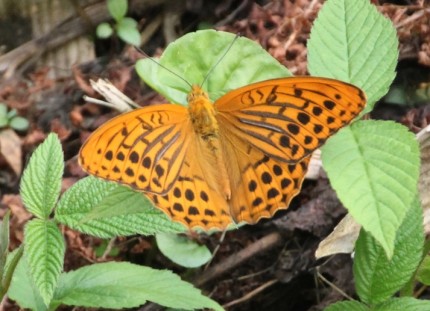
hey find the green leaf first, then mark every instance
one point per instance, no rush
(404, 304)
(353, 42)
(4, 121)
(125, 285)
(23, 291)
(41, 181)
(244, 63)
(128, 32)
(423, 273)
(3, 111)
(19, 123)
(104, 31)
(117, 8)
(12, 260)
(376, 277)
(374, 168)
(347, 305)
(106, 209)
(4, 242)
(44, 250)
(182, 250)
(11, 114)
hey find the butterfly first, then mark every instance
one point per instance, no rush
(239, 159)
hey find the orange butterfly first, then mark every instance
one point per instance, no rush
(240, 159)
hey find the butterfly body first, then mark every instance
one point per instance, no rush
(240, 159)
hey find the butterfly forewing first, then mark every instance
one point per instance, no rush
(143, 149)
(287, 119)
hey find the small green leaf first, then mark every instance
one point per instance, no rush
(3, 111)
(423, 273)
(182, 250)
(104, 31)
(128, 32)
(44, 250)
(353, 42)
(4, 121)
(124, 285)
(244, 63)
(107, 209)
(347, 305)
(374, 168)
(12, 261)
(4, 242)
(376, 277)
(41, 181)
(11, 114)
(117, 8)
(19, 123)
(404, 304)
(23, 291)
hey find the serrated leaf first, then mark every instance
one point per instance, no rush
(128, 32)
(117, 8)
(347, 305)
(4, 242)
(23, 291)
(41, 180)
(188, 57)
(374, 168)
(125, 285)
(12, 261)
(423, 273)
(104, 30)
(182, 250)
(137, 216)
(19, 123)
(376, 277)
(351, 41)
(404, 304)
(44, 250)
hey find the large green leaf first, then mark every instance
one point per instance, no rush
(44, 250)
(41, 181)
(125, 285)
(404, 304)
(107, 209)
(347, 305)
(193, 56)
(374, 168)
(376, 277)
(353, 42)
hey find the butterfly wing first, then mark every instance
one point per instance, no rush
(260, 185)
(144, 148)
(269, 129)
(287, 119)
(197, 199)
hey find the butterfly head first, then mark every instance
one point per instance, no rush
(197, 93)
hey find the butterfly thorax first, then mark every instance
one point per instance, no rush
(202, 113)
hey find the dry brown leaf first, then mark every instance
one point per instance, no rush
(341, 240)
(10, 149)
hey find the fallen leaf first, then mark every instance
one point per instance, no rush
(10, 148)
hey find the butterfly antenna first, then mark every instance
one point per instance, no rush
(162, 66)
(220, 59)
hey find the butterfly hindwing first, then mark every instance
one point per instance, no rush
(197, 198)
(260, 185)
